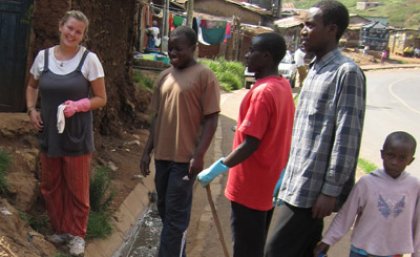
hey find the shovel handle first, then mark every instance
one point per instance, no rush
(217, 221)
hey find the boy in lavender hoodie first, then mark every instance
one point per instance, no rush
(384, 207)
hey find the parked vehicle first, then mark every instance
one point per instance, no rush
(287, 68)
(249, 78)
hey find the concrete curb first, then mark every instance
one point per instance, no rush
(124, 221)
(389, 66)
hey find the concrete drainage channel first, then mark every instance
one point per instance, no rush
(144, 240)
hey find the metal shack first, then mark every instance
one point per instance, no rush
(375, 35)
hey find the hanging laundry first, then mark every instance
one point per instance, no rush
(228, 33)
(171, 22)
(213, 32)
(178, 20)
(195, 24)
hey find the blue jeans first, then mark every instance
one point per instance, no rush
(174, 206)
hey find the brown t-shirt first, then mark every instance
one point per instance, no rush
(181, 99)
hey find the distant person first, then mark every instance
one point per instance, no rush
(70, 81)
(417, 52)
(365, 50)
(384, 56)
(288, 57)
(185, 105)
(326, 136)
(260, 148)
(384, 207)
(153, 32)
(299, 58)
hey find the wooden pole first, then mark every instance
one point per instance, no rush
(165, 32)
(190, 13)
(217, 221)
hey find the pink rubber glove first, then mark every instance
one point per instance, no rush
(82, 105)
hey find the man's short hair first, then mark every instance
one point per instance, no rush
(334, 12)
(273, 43)
(188, 32)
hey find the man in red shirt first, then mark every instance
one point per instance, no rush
(260, 148)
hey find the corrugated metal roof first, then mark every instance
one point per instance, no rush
(255, 29)
(288, 22)
(251, 7)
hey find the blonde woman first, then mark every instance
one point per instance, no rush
(70, 81)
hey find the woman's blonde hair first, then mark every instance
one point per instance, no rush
(78, 15)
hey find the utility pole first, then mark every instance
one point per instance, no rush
(165, 27)
(190, 12)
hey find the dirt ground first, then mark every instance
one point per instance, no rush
(18, 139)
(121, 153)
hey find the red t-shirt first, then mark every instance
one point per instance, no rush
(266, 113)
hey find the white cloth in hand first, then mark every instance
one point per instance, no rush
(61, 120)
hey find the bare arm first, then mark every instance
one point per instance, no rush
(99, 97)
(209, 128)
(249, 146)
(145, 159)
(31, 99)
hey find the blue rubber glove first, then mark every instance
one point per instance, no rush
(276, 201)
(207, 175)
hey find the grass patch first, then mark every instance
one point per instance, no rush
(230, 74)
(101, 196)
(366, 165)
(62, 255)
(4, 165)
(141, 80)
(39, 223)
(99, 225)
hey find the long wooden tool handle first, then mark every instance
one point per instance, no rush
(217, 221)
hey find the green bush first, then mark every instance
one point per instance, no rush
(101, 196)
(142, 80)
(366, 166)
(99, 225)
(229, 73)
(4, 165)
(39, 222)
(230, 81)
(62, 255)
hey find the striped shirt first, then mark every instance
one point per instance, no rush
(327, 132)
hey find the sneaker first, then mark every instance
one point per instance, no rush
(58, 238)
(76, 246)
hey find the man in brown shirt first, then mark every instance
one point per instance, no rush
(186, 105)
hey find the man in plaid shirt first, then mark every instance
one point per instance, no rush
(326, 136)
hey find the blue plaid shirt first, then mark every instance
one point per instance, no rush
(326, 133)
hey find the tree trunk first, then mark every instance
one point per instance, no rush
(111, 37)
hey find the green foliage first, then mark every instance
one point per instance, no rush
(101, 196)
(62, 255)
(366, 166)
(99, 225)
(142, 80)
(229, 73)
(4, 165)
(38, 222)
(400, 13)
(229, 81)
